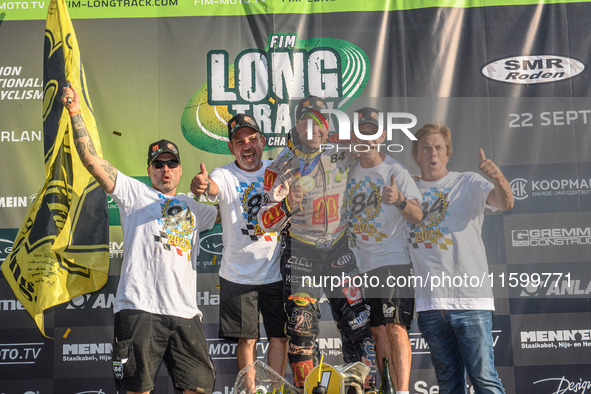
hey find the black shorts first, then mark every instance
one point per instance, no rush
(143, 340)
(240, 306)
(390, 304)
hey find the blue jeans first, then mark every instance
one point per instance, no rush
(461, 341)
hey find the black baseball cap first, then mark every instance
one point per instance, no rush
(163, 146)
(239, 121)
(368, 115)
(310, 104)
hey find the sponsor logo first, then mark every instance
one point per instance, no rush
(20, 136)
(11, 305)
(302, 298)
(299, 263)
(360, 320)
(342, 261)
(118, 369)
(330, 346)
(13, 202)
(353, 295)
(272, 216)
(220, 349)
(420, 346)
(518, 188)
(551, 237)
(264, 82)
(20, 353)
(270, 177)
(87, 352)
(116, 249)
(555, 339)
(212, 243)
(92, 301)
(532, 69)
(301, 369)
(563, 385)
(522, 188)
(13, 85)
(557, 288)
(388, 310)
(5, 248)
(326, 209)
(205, 298)
(422, 387)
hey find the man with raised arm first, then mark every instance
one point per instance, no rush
(454, 297)
(156, 313)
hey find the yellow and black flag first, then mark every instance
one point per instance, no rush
(61, 250)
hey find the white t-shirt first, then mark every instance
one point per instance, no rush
(159, 272)
(250, 255)
(446, 247)
(377, 230)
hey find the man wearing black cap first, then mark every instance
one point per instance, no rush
(156, 313)
(250, 280)
(305, 197)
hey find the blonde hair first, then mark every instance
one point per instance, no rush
(433, 128)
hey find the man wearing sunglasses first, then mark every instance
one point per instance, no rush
(156, 313)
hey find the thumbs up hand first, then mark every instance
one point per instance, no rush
(391, 194)
(488, 168)
(200, 184)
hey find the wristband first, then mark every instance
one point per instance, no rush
(75, 112)
(208, 187)
(402, 205)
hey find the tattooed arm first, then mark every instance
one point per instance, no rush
(104, 173)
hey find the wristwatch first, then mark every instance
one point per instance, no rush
(402, 204)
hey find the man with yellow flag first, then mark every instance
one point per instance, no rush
(61, 250)
(156, 313)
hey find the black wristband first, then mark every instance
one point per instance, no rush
(402, 204)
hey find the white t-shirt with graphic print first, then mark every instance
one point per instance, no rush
(159, 272)
(446, 248)
(377, 230)
(250, 256)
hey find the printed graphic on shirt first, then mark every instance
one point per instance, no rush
(177, 226)
(252, 199)
(364, 204)
(431, 232)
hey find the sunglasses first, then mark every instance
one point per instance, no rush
(158, 164)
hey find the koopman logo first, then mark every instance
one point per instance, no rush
(523, 188)
(527, 70)
(518, 187)
(264, 83)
